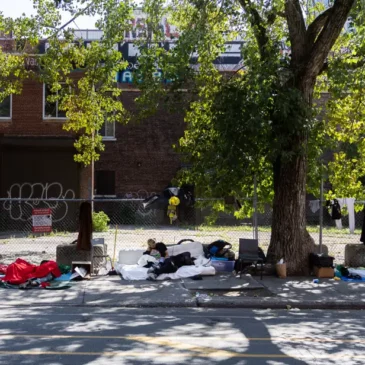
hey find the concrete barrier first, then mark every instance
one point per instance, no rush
(324, 249)
(65, 254)
(355, 255)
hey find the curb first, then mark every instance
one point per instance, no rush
(281, 304)
(226, 304)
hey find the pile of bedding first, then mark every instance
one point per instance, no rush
(201, 266)
(134, 264)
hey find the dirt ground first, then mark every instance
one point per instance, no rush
(36, 249)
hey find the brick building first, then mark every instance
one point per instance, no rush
(36, 154)
(139, 158)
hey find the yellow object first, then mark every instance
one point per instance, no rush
(174, 200)
(171, 213)
(337, 278)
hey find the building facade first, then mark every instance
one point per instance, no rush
(37, 155)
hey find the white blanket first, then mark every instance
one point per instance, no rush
(135, 272)
(188, 272)
(360, 272)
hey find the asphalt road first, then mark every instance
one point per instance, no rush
(84, 335)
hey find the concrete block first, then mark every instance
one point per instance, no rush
(355, 255)
(65, 254)
(324, 249)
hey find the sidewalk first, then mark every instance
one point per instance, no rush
(221, 291)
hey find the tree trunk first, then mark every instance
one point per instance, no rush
(309, 49)
(290, 239)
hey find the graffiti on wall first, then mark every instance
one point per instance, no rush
(141, 194)
(37, 193)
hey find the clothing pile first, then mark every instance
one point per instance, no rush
(350, 274)
(159, 262)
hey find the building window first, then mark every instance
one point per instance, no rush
(5, 108)
(108, 131)
(51, 110)
(105, 183)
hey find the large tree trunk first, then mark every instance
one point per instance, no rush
(290, 239)
(310, 47)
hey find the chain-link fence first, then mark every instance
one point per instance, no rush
(131, 224)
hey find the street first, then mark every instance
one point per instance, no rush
(94, 335)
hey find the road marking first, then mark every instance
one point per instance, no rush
(163, 338)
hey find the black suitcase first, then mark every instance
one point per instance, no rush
(320, 260)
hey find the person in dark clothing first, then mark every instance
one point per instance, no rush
(157, 250)
(170, 265)
(362, 237)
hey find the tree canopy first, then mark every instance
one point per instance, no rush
(266, 120)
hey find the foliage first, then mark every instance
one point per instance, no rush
(258, 122)
(239, 125)
(82, 79)
(100, 222)
(346, 127)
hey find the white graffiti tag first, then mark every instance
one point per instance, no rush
(142, 194)
(37, 194)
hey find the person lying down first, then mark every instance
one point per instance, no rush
(164, 264)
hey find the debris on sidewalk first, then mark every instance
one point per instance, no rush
(202, 296)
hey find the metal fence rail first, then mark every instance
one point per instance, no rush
(131, 224)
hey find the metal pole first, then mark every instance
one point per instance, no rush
(256, 231)
(92, 182)
(321, 216)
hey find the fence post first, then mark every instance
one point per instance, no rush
(321, 216)
(255, 227)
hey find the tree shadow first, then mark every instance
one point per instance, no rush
(86, 335)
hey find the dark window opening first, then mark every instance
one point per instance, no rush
(5, 108)
(105, 182)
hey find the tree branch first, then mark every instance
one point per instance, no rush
(297, 30)
(316, 26)
(327, 38)
(79, 13)
(257, 25)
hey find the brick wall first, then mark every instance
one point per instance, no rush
(142, 155)
(27, 130)
(27, 115)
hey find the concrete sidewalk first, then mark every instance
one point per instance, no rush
(220, 291)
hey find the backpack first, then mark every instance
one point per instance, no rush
(219, 248)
